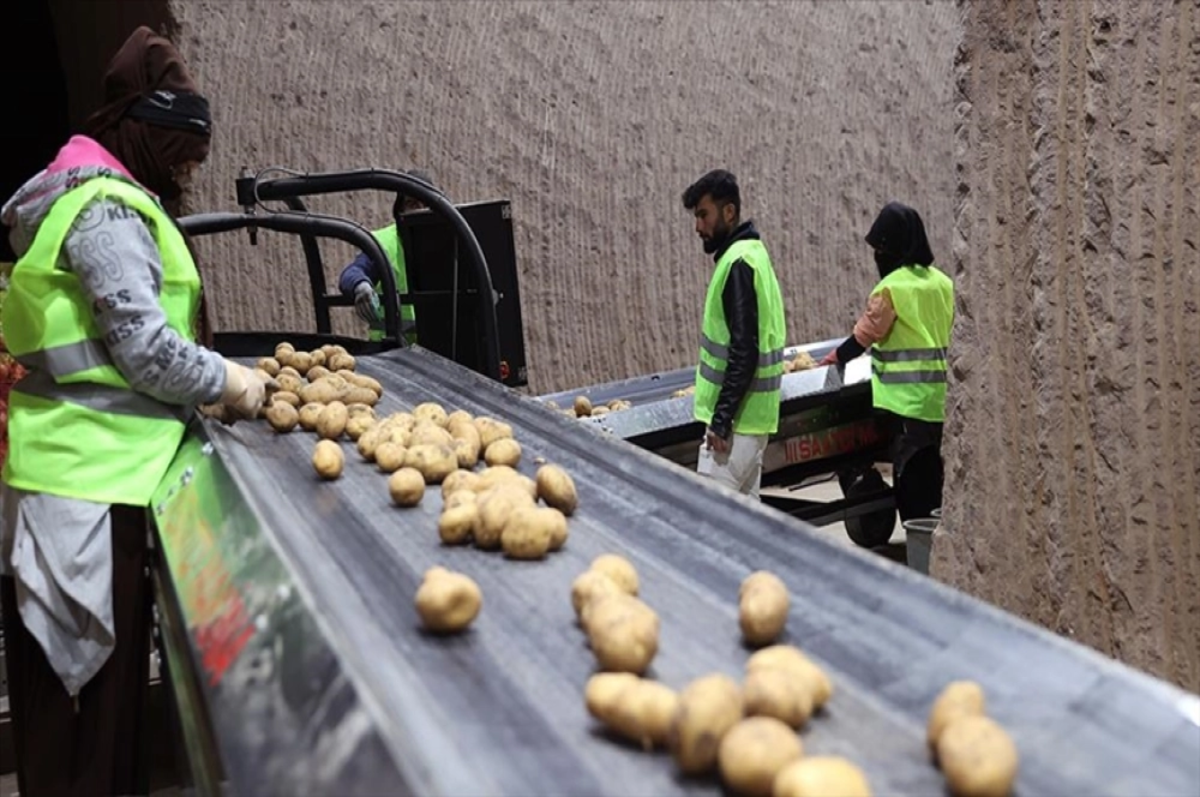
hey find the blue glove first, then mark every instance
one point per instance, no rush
(366, 303)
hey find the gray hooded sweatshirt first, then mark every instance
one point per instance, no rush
(58, 549)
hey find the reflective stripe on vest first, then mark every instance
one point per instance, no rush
(389, 241)
(759, 411)
(908, 367)
(76, 428)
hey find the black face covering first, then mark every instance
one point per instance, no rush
(898, 237)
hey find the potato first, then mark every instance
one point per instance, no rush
(331, 423)
(505, 451)
(327, 459)
(457, 522)
(583, 406)
(792, 659)
(708, 708)
(495, 476)
(778, 693)
(753, 752)
(362, 380)
(371, 439)
(361, 395)
(308, 416)
(463, 429)
(600, 412)
(428, 433)
(466, 452)
(459, 480)
(339, 362)
(323, 391)
(461, 498)
(289, 371)
(590, 585)
(526, 534)
(357, 425)
(318, 357)
(623, 632)
(432, 412)
(358, 408)
(763, 603)
(446, 601)
(958, 699)
(636, 708)
(282, 416)
(284, 348)
(391, 457)
(527, 484)
(290, 384)
(406, 487)
(269, 364)
(301, 361)
(977, 757)
(495, 506)
(619, 570)
(404, 420)
(557, 489)
(284, 397)
(491, 430)
(556, 522)
(459, 418)
(821, 776)
(398, 434)
(435, 462)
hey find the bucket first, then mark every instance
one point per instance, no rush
(919, 535)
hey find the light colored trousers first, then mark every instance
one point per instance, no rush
(740, 467)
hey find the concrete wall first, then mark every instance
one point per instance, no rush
(1073, 438)
(592, 118)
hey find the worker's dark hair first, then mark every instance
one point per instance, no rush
(420, 174)
(719, 184)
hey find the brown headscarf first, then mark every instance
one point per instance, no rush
(146, 63)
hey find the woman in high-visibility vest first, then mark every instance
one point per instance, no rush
(907, 326)
(102, 309)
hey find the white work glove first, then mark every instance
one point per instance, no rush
(366, 303)
(245, 390)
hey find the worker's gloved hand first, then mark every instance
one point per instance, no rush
(245, 390)
(366, 303)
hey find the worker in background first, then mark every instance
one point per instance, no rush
(362, 281)
(102, 307)
(740, 372)
(907, 325)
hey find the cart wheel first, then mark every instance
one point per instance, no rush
(875, 529)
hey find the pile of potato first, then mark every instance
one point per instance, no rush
(583, 408)
(621, 628)
(802, 362)
(976, 755)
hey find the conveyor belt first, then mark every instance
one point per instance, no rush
(499, 710)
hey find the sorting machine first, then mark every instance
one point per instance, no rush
(827, 427)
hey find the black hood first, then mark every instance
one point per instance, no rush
(745, 231)
(898, 237)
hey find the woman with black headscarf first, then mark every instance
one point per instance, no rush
(907, 325)
(102, 310)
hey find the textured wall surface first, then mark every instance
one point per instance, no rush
(1073, 437)
(592, 118)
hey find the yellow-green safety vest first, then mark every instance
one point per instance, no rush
(908, 367)
(759, 411)
(389, 240)
(76, 428)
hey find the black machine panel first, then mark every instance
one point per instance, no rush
(437, 274)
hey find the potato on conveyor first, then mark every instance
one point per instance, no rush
(446, 601)
(466, 452)
(977, 757)
(790, 658)
(636, 708)
(323, 391)
(284, 348)
(753, 752)
(503, 452)
(457, 522)
(459, 418)
(430, 434)
(600, 412)
(340, 362)
(360, 395)
(763, 603)
(623, 632)
(331, 423)
(461, 498)
(283, 396)
(282, 416)
(619, 569)
(526, 534)
(490, 430)
(268, 364)
(778, 693)
(357, 425)
(557, 489)
(821, 776)
(406, 487)
(317, 372)
(435, 462)
(328, 460)
(318, 357)
(432, 412)
(588, 586)
(495, 506)
(290, 384)
(459, 480)
(495, 476)
(309, 413)
(301, 361)
(708, 708)
(390, 457)
(583, 406)
(957, 699)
